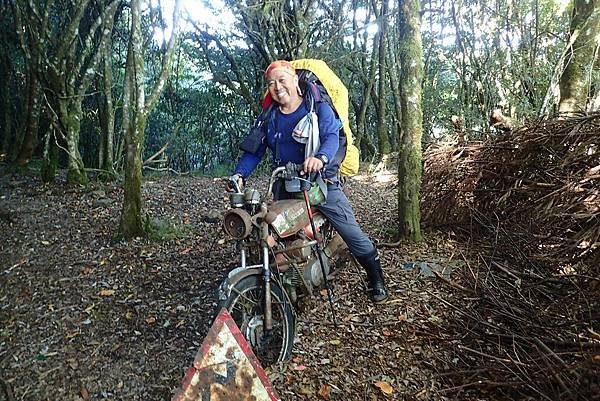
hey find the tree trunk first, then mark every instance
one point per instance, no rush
(30, 136)
(393, 67)
(410, 157)
(575, 82)
(106, 114)
(363, 141)
(70, 116)
(50, 158)
(135, 113)
(382, 129)
(65, 60)
(6, 119)
(131, 224)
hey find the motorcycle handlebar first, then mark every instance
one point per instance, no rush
(290, 172)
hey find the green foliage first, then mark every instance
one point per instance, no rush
(202, 123)
(478, 55)
(481, 55)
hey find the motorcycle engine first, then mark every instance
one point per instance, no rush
(306, 276)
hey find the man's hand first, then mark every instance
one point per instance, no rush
(230, 186)
(312, 165)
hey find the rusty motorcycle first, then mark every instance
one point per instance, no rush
(286, 248)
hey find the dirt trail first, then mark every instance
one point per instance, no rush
(84, 317)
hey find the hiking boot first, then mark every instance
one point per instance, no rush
(377, 290)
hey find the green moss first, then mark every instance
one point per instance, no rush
(164, 230)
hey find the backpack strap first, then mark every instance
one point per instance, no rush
(258, 133)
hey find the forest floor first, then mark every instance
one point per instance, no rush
(86, 317)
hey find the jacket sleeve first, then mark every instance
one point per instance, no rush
(329, 131)
(249, 161)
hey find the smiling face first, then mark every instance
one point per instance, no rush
(283, 87)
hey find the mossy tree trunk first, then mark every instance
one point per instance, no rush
(68, 60)
(575, 82)
(50, 158)
(394, 71)
(382, 126)
(135, 113)
(410, 157)
(106, 114)
(131, 224)
(70, 116)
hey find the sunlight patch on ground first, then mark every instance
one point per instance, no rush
(381, 178)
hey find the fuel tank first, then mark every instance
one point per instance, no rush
(287, 217)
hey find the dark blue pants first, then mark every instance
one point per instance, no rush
(338, 211)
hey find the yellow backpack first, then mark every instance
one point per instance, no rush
(339, 101)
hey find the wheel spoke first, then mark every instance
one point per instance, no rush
(246, 306)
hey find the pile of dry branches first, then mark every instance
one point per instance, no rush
(531, 200)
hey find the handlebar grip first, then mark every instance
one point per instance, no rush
(293, 167)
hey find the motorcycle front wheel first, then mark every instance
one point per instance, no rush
(246, 306)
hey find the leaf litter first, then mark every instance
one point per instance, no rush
(127, 318)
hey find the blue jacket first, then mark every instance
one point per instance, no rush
(279, 137)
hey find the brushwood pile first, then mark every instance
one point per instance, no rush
(529, 199)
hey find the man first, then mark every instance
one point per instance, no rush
(279, 126)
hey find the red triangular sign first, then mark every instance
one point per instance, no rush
(225, 368)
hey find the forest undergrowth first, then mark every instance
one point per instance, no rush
(528, 203)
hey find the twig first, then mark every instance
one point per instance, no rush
(453, 284)
(492, 356)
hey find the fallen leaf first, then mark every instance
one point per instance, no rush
(129, 315)
(387, 333)
(323, 292)
(45, 243)
(72, 335)
(73, 363)
(385, 387)
(84, 393)
(151, 320)
(324, 392)
(106, 293)
(335, 342)
(306, 390)
(433, 319)
(299, 367)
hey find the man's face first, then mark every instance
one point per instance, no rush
(282, 86)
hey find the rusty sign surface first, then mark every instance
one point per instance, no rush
(225, 368)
